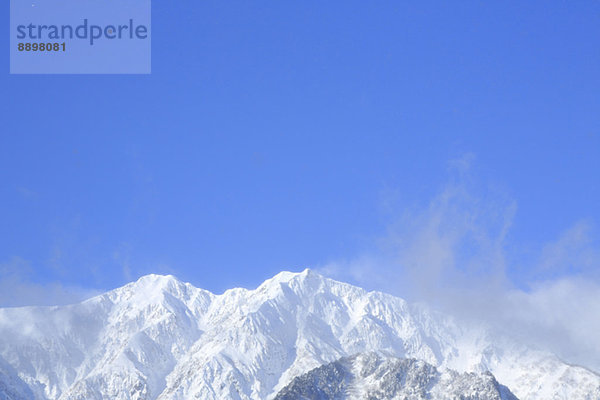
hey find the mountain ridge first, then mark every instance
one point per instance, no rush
(378, 376)
(161, 338)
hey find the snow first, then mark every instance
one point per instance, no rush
(159, 338)
(379, 376)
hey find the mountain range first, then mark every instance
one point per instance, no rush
(296, 334)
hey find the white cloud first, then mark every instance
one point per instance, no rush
(563, 314)
(17, 288)
(574, 252)
(454, 254)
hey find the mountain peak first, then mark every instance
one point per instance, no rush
(162, 338)
(286, 276)
(372, 375)
(154, 279)
(305, 279)
(152, 288)
(155, 283)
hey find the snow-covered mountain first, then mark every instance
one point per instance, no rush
(159, 338)
(377, 376)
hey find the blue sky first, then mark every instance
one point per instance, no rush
(280, 135)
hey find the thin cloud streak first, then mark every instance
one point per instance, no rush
(17, 288)
(455, 254)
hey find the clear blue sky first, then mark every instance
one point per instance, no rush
(269, 133)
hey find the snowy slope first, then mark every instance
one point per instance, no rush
(159, 338)
(378, 376)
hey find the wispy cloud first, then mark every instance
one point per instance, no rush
(131, 269)
(455, 253)
(573, 252)
(561, 314)
(18, 288)
(27, 193)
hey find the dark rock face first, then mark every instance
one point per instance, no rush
(376, 377)
(325, 382)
